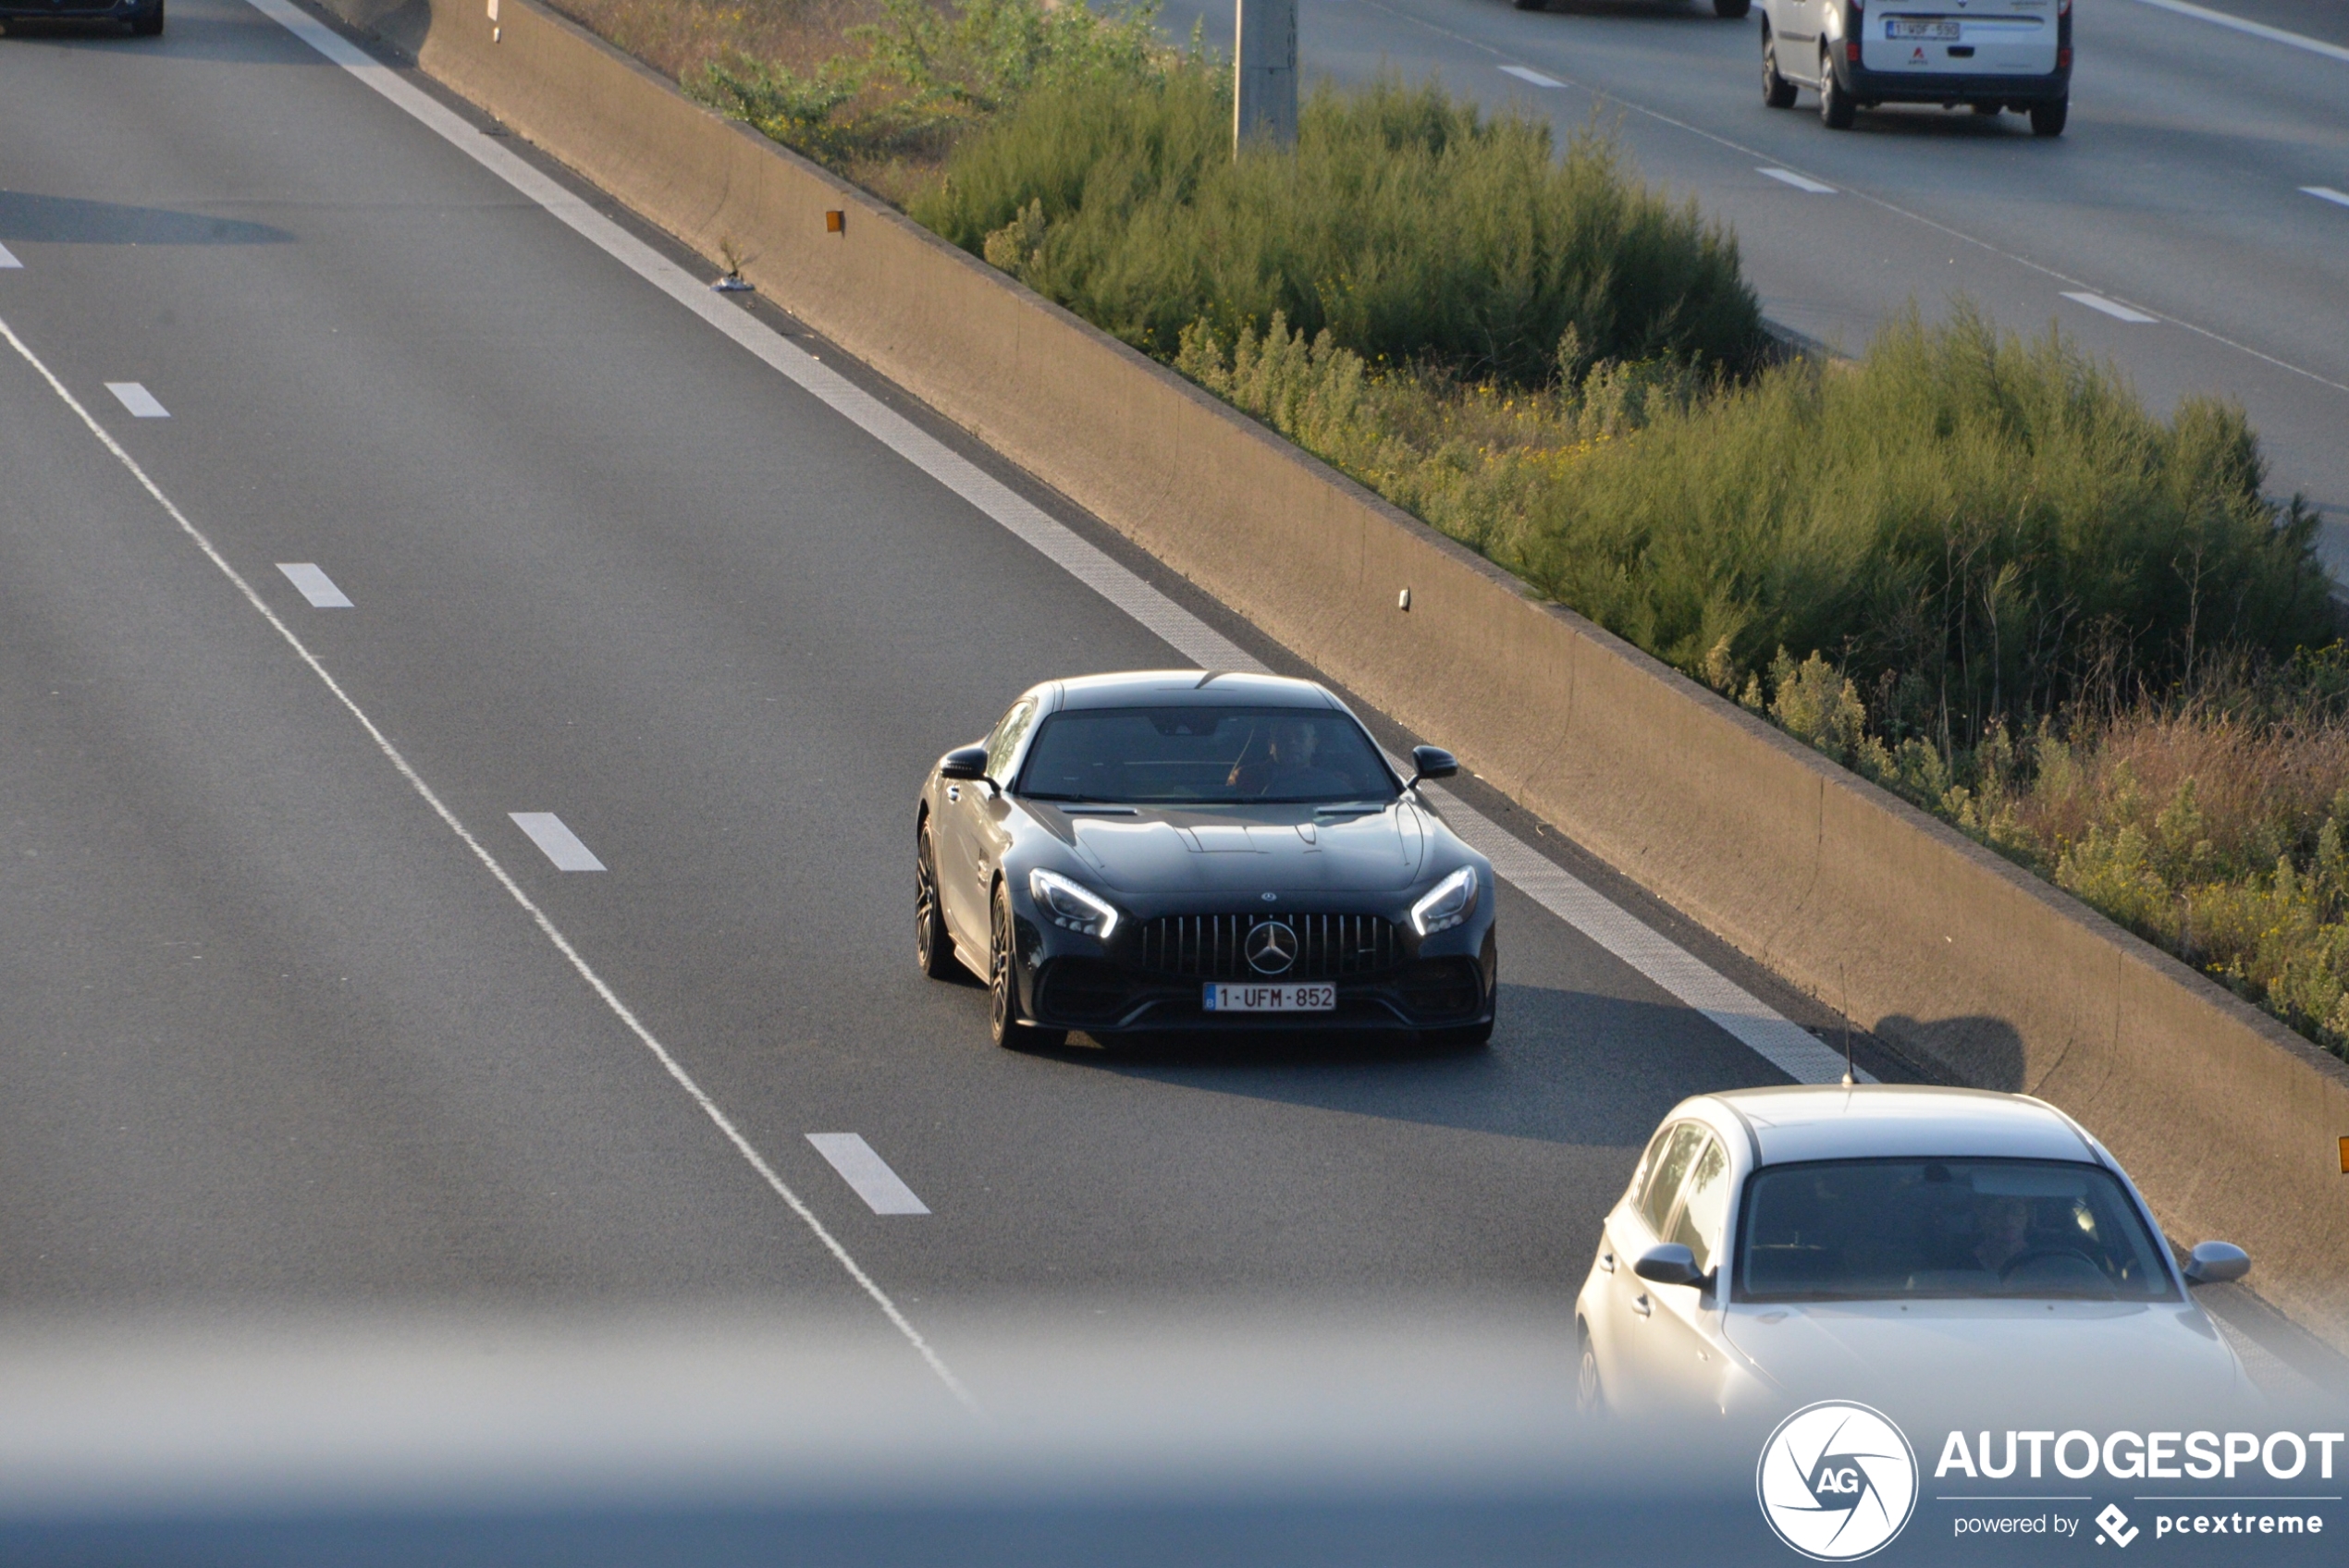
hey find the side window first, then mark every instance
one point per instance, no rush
(1703, 1203)
(1004, 742)
(1664, 1176)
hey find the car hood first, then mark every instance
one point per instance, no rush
(1255, 850)
(2009, 1348)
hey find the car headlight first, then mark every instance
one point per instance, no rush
(1071, 906)
(1452, 902)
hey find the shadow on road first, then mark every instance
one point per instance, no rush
(71, 220)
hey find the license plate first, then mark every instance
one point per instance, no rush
(1308, 997)
(1946, 32)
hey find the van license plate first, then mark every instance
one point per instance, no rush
(1308, 997)
(1946, 32)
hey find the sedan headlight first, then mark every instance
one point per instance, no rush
(1452, 902)
(1071, 905)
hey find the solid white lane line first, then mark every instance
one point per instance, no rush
(2112, 308)
(1779, 1040)
(1180, 629)
(561, 944)
(2257, 30)
(1801, 182)
(1524, 73)
(862, 1169)
(138, 399)
(2326, 193)
(315, 585)
(562, 846)
(8, 259)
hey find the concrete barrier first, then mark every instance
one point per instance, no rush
(2228, 1119)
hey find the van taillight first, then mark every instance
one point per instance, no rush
(2063, 59)
(1852, 50)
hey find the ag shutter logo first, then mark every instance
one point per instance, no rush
(1837, 1481)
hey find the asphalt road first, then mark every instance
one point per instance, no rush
(2176, 193)
(276, 1035)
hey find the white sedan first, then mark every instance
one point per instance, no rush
(1777, 1245)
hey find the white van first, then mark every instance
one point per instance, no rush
(1987, 55)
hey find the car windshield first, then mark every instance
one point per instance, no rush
(1881, 1229)
(1205, 756)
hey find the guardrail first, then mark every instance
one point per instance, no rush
(2226, 1119)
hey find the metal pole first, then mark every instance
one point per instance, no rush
(1265, 68)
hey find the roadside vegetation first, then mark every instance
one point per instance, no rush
(1972, 566)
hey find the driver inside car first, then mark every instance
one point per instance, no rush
(1278, 762)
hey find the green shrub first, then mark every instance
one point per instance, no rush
(1405, 224)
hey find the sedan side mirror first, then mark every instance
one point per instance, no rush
(1670, 1264)
(2216, 1263)
(1432, 762)
(963, 762)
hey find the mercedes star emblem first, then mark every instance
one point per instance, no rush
(1271, 947)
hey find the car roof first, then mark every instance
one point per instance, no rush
(1892, 1121)
(1191, 688)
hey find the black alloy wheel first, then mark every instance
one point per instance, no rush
(1836, 109)
(1002, 986)
(933, 948)
(1777, 92)
(2046, 119)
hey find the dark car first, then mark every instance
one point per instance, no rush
(1174, 851)
(144, 17)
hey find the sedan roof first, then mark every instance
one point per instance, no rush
(1891, 1121)
(1191, 688)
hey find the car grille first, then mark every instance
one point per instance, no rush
(1213, 947)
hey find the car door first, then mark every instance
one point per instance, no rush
(1634, 1227)
(1684, 1327)
(969, 847)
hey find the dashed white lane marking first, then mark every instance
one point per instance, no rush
(1660, 960)
(334, 48)
(1526, 73)
(1801, 182)
(862, 1169)
(2257, 30)
(8, 259)
(315, 585)
(2326, 193)
(138, 399)
(562, 846)
(2117, 310)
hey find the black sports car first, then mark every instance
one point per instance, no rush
(1167, 850)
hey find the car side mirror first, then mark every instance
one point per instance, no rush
(1670, 1264)
(1432, 762)
(2216, 1263)
(963, 762)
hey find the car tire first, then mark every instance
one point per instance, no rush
(933, 944)
(149, 25)
(1836, 108)
(1777, 92)
(2046, 119)
(1732, 10)
(1589, 1394)
(1003, 1025)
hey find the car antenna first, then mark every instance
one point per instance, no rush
(1844, 981)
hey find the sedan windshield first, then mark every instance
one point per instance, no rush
(1204, 755)
(1880, 1228)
